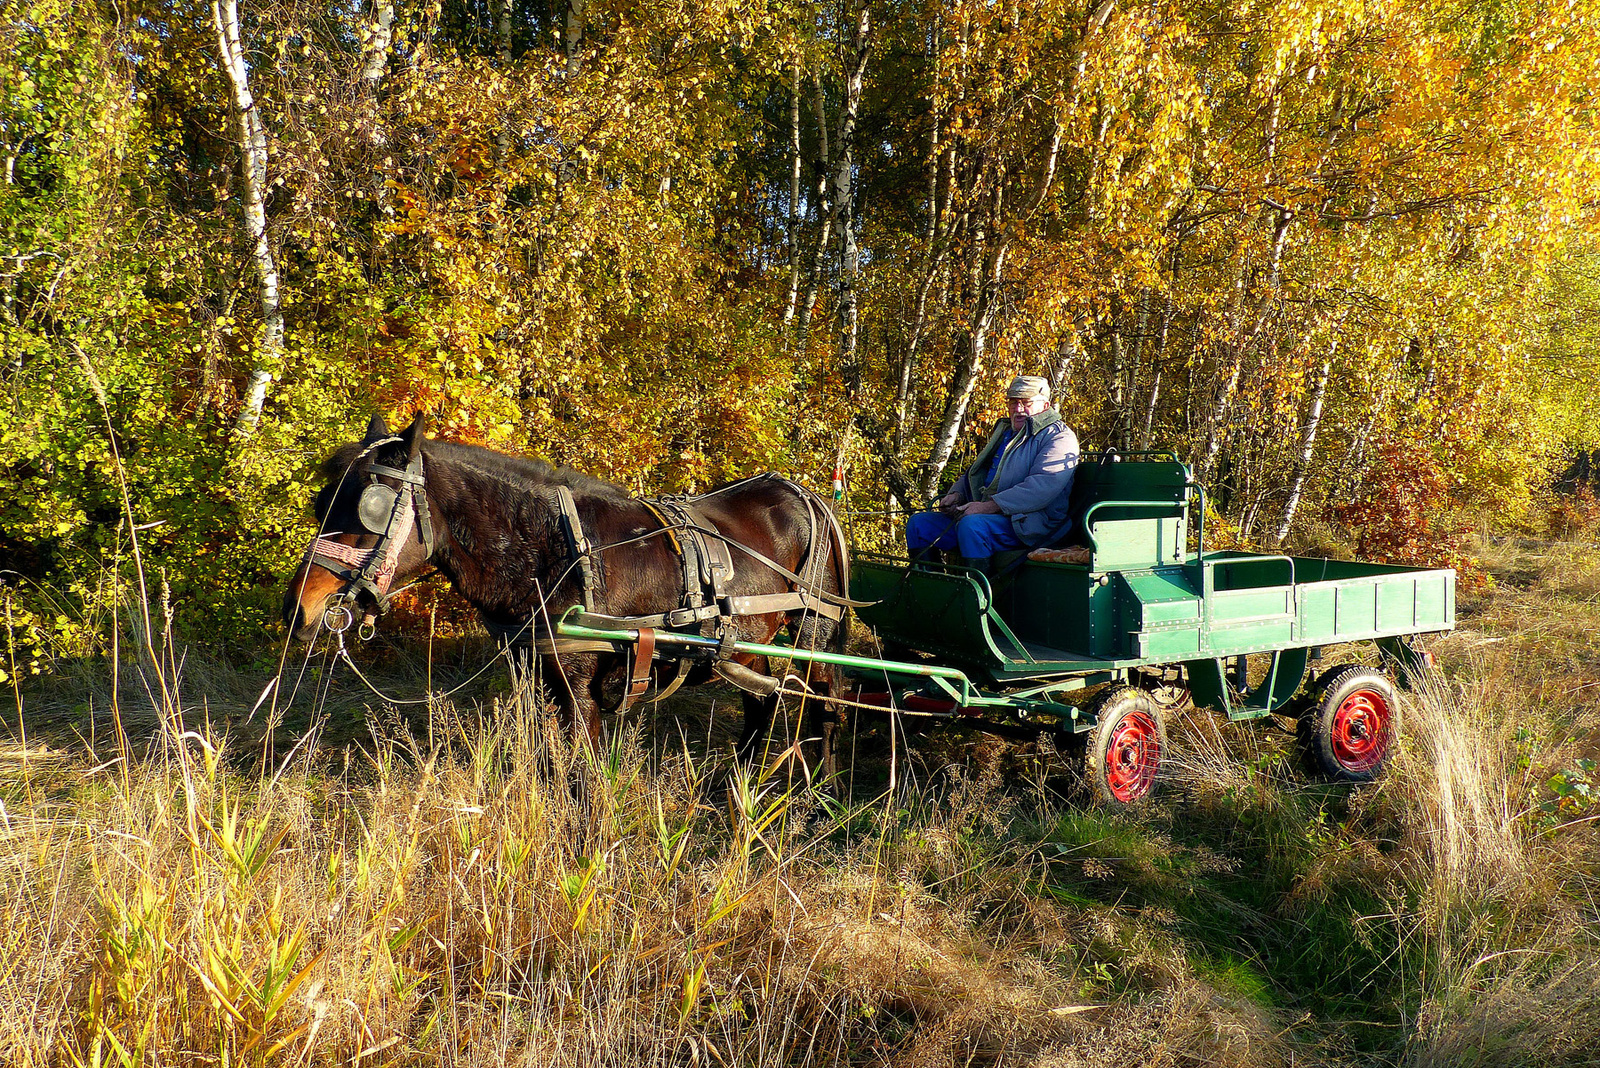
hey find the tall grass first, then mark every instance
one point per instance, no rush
(1501, 881)
(473, 889)
(503, 897)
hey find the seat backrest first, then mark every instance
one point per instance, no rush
(1149, 528)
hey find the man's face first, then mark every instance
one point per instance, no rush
(1021, 409)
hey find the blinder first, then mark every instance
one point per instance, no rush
(376, 507)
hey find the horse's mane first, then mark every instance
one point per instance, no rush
(513, 469)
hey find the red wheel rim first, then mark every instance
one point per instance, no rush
(1361, 730)
(1133, 756)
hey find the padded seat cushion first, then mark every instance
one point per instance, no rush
(1076, 554)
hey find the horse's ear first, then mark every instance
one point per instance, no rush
(377, 430)
(413, 437)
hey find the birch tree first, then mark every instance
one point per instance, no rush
(250, 140)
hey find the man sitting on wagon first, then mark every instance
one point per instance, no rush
(1016, 493)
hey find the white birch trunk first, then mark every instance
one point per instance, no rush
(944, 441)
(794, 195)
(1155, 374)
(500, 12)
(1269, 290)
(572, 37)
(934, 248)
(375, 48)
(826, 212)
(1066, 351)
(843, 198)
(251, 140)
(1308, 446)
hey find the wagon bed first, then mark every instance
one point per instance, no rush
(1051, 618)
(1143, 600)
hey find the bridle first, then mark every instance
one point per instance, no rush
(390, 514)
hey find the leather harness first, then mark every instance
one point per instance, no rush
(373, 569)
(707, 564)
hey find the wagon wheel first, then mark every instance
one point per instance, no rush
(1125, 748)
(1350, 727)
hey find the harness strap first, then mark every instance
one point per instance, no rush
(716, 561)
(690, 548)
(556, 646)
(666, 523)
(769, 562)
(402, 474)
(707, 557)
(639, 662)
(758, 604)
(577, 542)
(677, 681)
(642, 653)
(373, 569)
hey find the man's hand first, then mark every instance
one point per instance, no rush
(981, 508)
(950, 503)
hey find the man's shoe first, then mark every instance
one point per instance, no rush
(983, 564)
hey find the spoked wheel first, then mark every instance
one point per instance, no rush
(1126, 746)
(1350, 729)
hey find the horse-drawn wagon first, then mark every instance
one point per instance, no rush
(1092, 646)
(1147, 620)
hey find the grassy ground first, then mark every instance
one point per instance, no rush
(451, 883)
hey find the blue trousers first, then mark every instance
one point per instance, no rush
(975, 536)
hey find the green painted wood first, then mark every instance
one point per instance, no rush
(938, 610)
(1136, 513)
(1209, 687)
(1143, 600)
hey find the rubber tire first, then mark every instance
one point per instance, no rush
(1125, 717)
(1334, 728)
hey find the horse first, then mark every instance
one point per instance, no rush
(524, 541)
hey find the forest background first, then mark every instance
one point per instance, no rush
(1339, 255)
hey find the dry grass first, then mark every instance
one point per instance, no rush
(469, 889)
(503, 898)
(1503, 865)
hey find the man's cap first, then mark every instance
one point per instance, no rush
(1027, 387)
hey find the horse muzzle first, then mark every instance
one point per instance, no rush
(316, 600)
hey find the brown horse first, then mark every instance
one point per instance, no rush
(396, 505)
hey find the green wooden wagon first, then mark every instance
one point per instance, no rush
(1160, 624)
(1151, 623)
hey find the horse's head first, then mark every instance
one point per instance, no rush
(375, 528)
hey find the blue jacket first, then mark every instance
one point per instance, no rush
(1033, 483)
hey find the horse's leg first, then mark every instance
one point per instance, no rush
(758, 713)
(575, 681)
(586, 710)
(819, 725)
(819, 720)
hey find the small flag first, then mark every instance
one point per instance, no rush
(838, 481)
